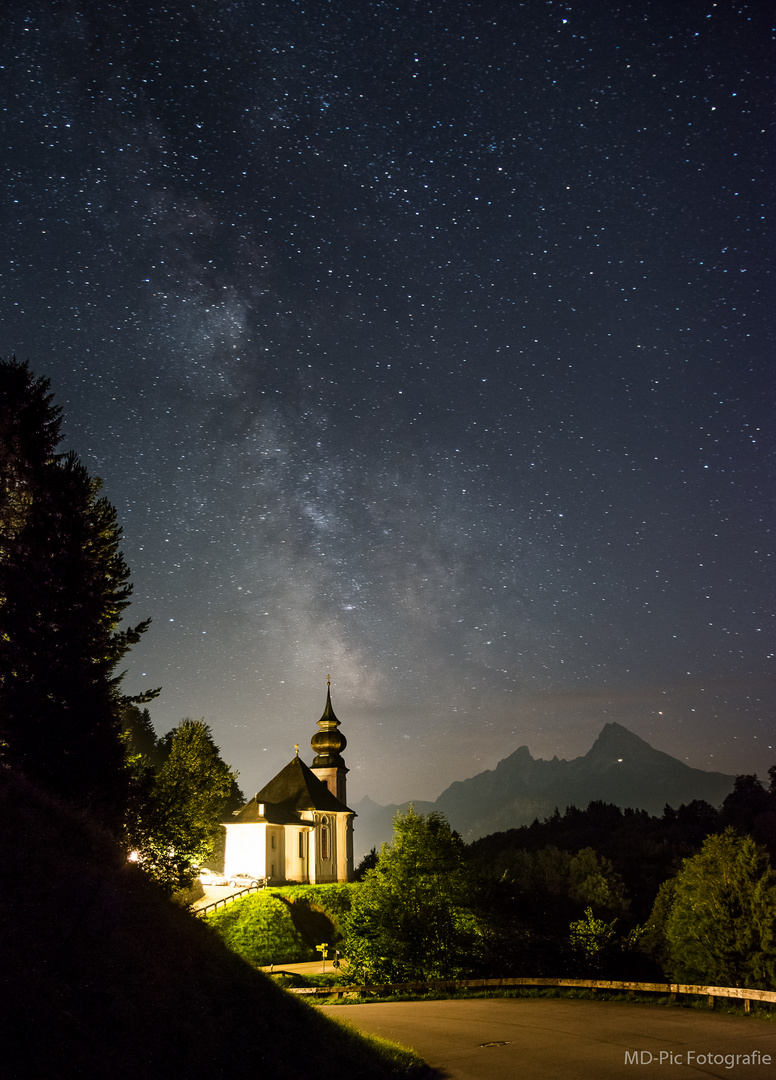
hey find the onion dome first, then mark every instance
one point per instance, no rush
(328, 743)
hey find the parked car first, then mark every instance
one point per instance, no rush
(246, 881)
(210, 877)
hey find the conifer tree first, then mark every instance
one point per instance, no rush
(64, 586)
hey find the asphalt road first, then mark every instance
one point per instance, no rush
(548, 1039)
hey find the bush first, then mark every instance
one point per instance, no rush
(260, 929)
(284, 926)
(412, 916)
(334, 900)
(715, 922)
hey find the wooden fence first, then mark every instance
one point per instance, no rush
(674, 989)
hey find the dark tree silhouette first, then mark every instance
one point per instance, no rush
(64, 586)
(751, 810)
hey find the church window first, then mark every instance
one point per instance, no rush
(325, 842)
(301, 845)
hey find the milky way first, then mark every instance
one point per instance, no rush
(426, 345)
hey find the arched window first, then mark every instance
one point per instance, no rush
(325, 838)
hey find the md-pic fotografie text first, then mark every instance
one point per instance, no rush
(692, 1057)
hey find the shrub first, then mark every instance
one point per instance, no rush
(260, 929)
(715, 922)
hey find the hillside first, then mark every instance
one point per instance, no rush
(102, 976)
(619, 768)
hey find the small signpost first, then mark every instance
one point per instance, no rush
(323, 949)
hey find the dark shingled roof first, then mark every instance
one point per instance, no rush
(273, 815)
(295, 788)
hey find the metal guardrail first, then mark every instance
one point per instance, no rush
(224, 900)
(674, 989)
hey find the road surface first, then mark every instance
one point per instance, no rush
(557, 1039)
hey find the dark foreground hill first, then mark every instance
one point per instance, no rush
(102, 976)
(619, 768)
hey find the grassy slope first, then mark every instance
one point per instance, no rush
(260, 929)
(283, 926)
(104, 977)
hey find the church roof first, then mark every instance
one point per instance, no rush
(295, 788)
(273, 815)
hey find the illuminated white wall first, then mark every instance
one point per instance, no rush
(245, 850)
(273, 851)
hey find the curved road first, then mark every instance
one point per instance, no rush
(557, 1039)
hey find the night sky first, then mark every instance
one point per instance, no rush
(429, 345)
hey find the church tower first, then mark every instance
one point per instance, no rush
(328, 744)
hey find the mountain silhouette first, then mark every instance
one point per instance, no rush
(619, 768)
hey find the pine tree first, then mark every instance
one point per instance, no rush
(64, 586)
(29, 436)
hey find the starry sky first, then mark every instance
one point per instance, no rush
(429, 345)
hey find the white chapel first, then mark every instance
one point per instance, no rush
(298, 829)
